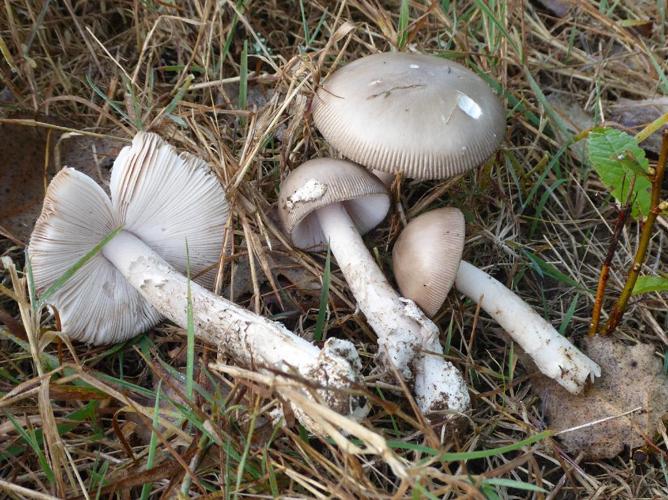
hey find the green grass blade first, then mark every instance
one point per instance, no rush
(469, 455)
(544, 268)
(472, 455)
(318, 27)
(307, 36)
(190, 330)
(568, 317)
(402, 37)
(490, 15)
(178, 97)
(101, 474)
(324, 299)
(512, 483)
(153, 443)
(58, 284)
(233, 31)
(31, 439)
(244, 456)
(243, 77)
(32, 291)
(102, 95)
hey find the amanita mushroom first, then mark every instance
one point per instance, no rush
(424, 116)
(163, 201)
(426, 260)
(326, 201)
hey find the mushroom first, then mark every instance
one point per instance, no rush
(421, 115)
(163, 202)
(427, 260)
(327, 201)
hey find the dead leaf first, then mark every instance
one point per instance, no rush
(635, 115)
(632, 378)
(574, 117)
(25, 173)
(22, 179)
(94, 156)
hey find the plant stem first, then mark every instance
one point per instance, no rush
(605, 268)
(645, 235)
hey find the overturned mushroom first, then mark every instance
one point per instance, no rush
(426, 258)
(163, 201)
(328, 201)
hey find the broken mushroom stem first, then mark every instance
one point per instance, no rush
(552, 353)
(406, 337)
(248, 338)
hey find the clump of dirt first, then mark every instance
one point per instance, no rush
(632, 379)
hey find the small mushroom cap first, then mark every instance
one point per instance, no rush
(427, 117)
(161, 197)
(321, 182)
(426, 257)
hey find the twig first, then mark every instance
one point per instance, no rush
(605, 268)
(656, 207)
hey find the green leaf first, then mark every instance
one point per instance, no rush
(647, 284)
(617, 158)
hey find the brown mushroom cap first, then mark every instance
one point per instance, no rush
(427, 117)
(426, 257)
(324, 181)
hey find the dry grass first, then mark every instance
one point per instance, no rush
(77, 424)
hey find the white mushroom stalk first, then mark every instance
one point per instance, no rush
(552, 353)
(427, 260)
(163, 201)
(406, 336)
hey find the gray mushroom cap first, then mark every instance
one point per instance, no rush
(324, 181)
(425, 116)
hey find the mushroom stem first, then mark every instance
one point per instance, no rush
(247, 337)
(552, 353)
(406, 337)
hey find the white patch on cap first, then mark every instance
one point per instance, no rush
(469, 106)
(309, 191)
(375, 82)
(413, 66)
